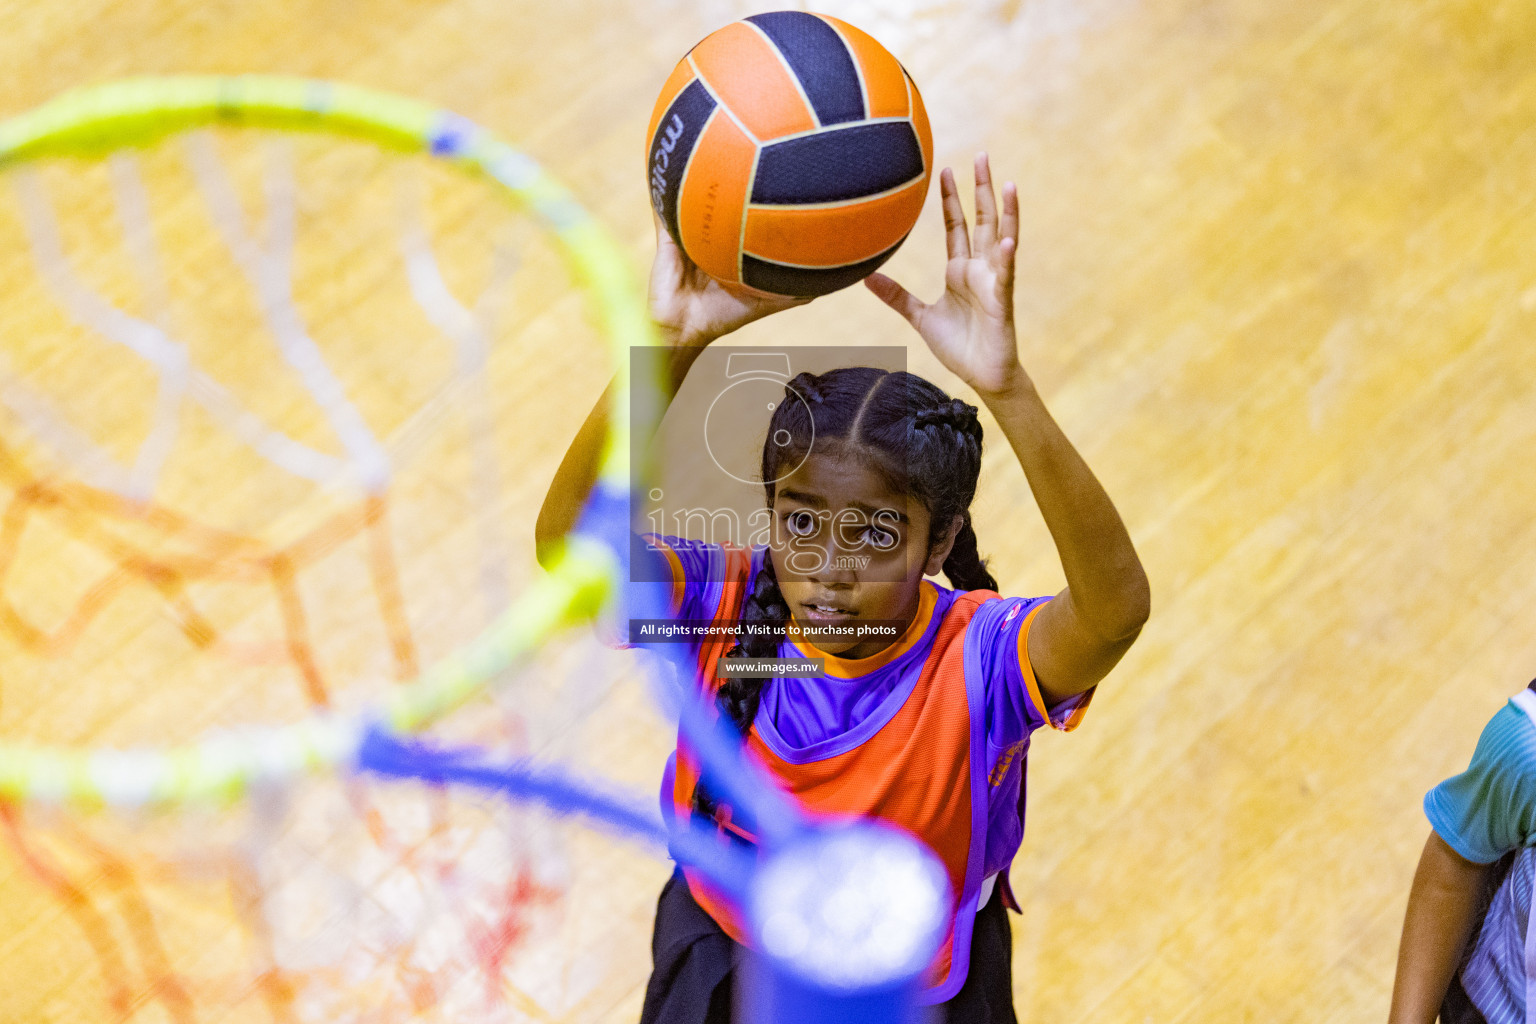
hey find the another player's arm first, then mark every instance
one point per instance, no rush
(690, 310)
(1083, 633)
(1441, 907)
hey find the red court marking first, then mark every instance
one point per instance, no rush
(493, 944)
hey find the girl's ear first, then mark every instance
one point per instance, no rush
(938, 551)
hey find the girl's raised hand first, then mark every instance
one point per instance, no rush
(970, 327)
(691, 308)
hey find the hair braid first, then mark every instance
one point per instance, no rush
(950, 431)
(738, 696)
(965, 567)
(805, 385)
(955, 414)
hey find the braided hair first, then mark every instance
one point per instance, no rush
(921, 440)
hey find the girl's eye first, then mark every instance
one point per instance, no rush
(801, 523)
(880, 540)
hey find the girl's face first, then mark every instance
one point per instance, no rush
(848, 550)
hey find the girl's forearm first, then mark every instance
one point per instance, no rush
(577, 474)
(573, 481)
(1441, 907)
(1107, 582)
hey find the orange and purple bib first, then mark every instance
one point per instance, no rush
(929, 735)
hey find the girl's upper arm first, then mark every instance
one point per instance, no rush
(1067, 656)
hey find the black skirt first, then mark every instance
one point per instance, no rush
(694, 966)
(1457, 1007)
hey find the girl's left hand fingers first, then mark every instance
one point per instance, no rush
(895, 296)
(986, 204)
(956, 237)
(1001, 255)
(1005, 254)
(1008, 223)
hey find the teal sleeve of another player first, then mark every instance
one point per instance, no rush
(1490, 809)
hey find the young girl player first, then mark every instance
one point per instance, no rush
(926, 730)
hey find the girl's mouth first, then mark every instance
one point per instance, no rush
(817, 614)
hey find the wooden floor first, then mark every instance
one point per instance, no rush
(1277, 280)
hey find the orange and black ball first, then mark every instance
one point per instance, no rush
(789, 154)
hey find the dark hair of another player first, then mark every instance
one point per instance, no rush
(924, 442)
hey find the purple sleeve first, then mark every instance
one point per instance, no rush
(1015, 707)
(696, 571)
(1014, 710)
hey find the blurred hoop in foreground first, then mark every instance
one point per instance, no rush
(257, 499)
(253, 529)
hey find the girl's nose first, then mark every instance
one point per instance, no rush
(834, 564)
